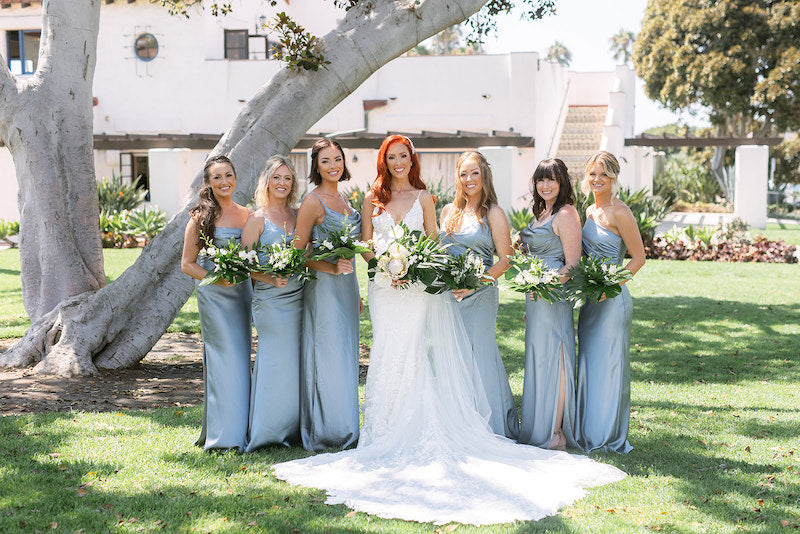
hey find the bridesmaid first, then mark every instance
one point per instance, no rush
(475, 222)
(277, 313)
(554, 236)
(224, 310)
(604, 328)
(329, 354)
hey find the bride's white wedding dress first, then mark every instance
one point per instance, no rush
(426, 452)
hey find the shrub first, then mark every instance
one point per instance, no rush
(8, 229)
(116, 196)
(648, 211)
(147, 221)
(686, 182)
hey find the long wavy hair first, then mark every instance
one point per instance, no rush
(555, 169)
(270, 168)
(314, 176)
(488, 195)
(381, 187)
(208, 210)
(610, 169)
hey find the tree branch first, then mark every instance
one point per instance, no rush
(8, 94)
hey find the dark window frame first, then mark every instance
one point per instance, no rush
(241, 52)
(20, 34)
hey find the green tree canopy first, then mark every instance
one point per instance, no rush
(738, 58)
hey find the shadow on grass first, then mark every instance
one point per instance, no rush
(724, 488)
(688, 339)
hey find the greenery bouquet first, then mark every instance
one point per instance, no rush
(594, 276)
(339, 244)
(410, 256)
(232, 262)
(530, 275)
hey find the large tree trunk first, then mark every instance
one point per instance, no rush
(117, 325)
(47, 125)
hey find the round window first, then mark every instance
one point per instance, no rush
(146, 47)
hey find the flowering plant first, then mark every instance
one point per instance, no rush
(593, 276)
(530, 275)
(465, 271)
(339, 244)
(410, 256)
(232, 262)
(284, 259)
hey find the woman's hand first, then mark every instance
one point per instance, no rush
(343, 266)
(278, 281)
(461, 293)
(223, 282)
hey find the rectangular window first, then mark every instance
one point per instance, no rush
(236, 44)
(23, 51)
(134, 169)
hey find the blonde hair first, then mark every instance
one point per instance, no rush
(270, 168)
(488, 195)
(610, 169)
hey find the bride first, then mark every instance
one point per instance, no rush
(426, 452)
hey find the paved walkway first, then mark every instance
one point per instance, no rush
(679, 218)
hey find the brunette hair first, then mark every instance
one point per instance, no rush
(488, 195)
(555, 169)
(270, 168)
(610, 169)
(207, 210)
(314, 176)
(381, 187)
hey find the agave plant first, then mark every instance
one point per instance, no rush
(116, 196)
(147, 221)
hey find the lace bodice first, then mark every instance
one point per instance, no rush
(383, 222)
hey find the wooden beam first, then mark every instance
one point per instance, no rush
(701, 141)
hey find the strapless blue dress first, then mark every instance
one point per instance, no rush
(604, 339)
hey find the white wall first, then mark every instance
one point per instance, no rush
(750, 196)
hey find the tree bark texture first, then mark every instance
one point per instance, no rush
(117, 325)
(46, 123)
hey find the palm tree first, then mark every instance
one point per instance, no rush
(559, 53)
(622, 46)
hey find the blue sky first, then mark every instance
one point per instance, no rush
(585, 27)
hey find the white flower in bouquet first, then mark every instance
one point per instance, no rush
(398, 232)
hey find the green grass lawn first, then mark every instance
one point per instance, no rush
(714, 424)
(789, 232)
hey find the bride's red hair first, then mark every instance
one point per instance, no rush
(381, 190)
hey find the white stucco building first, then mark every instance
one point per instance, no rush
(167, 87)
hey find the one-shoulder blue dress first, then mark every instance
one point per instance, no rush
(549, 333)
(226, 329)
(479, 314)
(275, 389)
(329, 355)
(604, 375)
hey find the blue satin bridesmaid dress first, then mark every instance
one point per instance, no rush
(275, 388)
(226, 329)
(479, 314)
(549, 333)
(604, 337)
(329, 354)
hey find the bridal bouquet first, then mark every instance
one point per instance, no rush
(465, 272)
(232, 262)
(408, 256)
(284, 259)
(530, 275)
(339, 244)
(591, 277)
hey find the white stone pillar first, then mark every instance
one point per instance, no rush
(171, 175)
(512, 168)
(751, 170)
